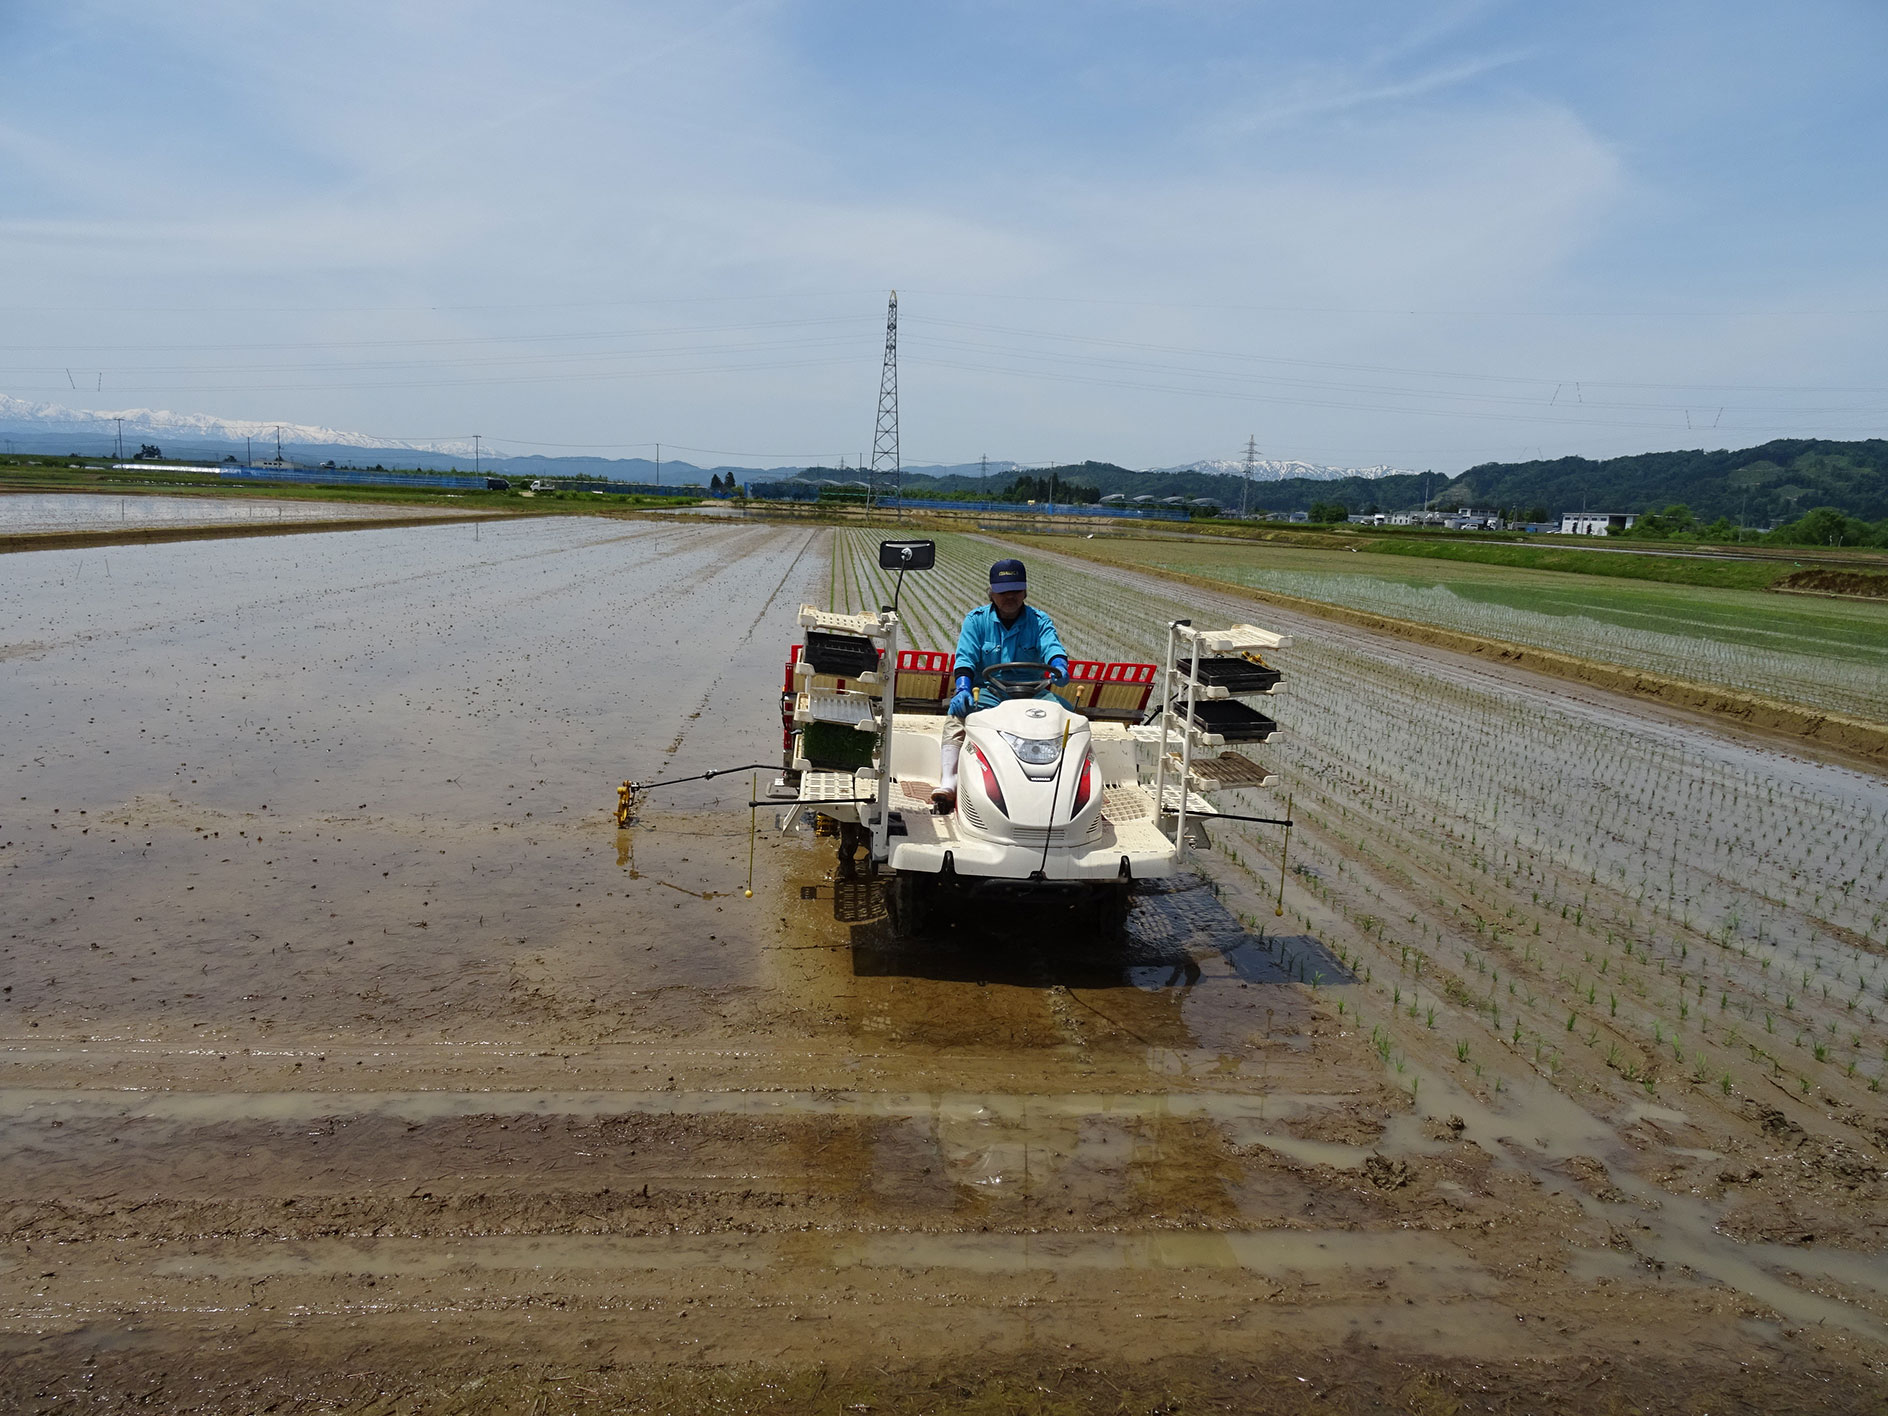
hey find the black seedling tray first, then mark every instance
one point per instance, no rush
(844, 655)
(836, 747)
(1235, 675)
(1231, 720)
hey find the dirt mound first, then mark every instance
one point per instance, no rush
(1854, 584)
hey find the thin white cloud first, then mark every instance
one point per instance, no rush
(441, 158)
(1327, 96)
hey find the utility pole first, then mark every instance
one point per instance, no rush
(885, 457)
(475, 455)
(658, 464)
(121, 438)
(1245, 491)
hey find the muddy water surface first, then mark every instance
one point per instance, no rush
(351, 1051)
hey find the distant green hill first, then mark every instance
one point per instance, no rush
(1108, 478)
(1755, 485)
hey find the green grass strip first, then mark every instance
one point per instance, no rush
(1624, 565)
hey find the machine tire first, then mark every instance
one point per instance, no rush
(908, 903)
(1111, 910)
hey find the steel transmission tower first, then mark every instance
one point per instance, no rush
(885, 461)
(1245, 491)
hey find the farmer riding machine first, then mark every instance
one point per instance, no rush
(1068, 795)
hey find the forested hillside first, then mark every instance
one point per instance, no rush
(1753, 486)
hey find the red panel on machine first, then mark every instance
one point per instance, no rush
(1122, 677)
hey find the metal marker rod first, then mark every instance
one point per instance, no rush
(704, 776)
(753, 826)
(1283, 851)
(1229, 816)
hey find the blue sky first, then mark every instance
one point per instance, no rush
(1363, 233)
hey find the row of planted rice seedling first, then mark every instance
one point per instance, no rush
(1857, 686)
(1527, 880)
(1608, 901)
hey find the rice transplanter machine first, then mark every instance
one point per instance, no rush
(1067, 795)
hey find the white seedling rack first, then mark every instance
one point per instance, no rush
(1179, 739)
(862, 702)
(852, 710)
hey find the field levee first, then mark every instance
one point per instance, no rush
(154, 535)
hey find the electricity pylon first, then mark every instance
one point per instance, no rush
(885, 436)
(1245, 491)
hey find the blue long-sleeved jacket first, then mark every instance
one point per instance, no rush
(986, 640)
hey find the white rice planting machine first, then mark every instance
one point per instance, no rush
(1065, 798)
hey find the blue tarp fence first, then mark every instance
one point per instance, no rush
(809, 492)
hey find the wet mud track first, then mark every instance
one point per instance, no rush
(355, 1062)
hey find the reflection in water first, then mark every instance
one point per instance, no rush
(1173, 925)
(859, 901)
(83, 511)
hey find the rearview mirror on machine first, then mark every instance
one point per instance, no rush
(907, 555)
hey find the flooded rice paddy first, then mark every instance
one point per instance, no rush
(28, 512)
(351, 1054)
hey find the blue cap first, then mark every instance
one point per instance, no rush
(1008, 575)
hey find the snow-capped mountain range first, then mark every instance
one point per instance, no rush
(157, 423)
(191, 433)
(1265, 469)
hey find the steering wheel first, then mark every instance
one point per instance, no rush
(1018, 680)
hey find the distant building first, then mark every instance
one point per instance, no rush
(1595, 523)
(1469, 519)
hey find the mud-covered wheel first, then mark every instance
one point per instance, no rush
(1110, 909)
(908, 901)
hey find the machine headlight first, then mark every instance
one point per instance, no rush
(1037, 752)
